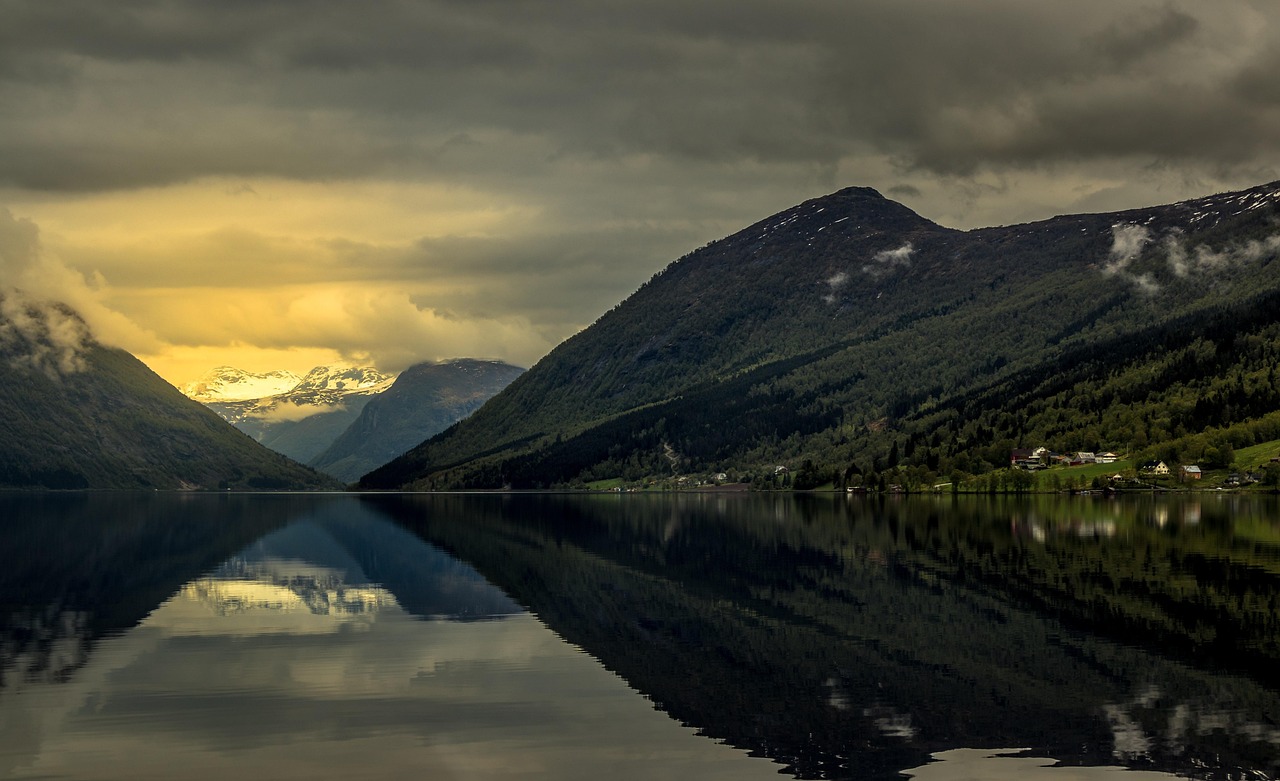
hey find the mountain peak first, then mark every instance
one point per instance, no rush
(425, 399)
(343, 378)
(227, 383)
(838, 216)
(869, 193)
(47, 336)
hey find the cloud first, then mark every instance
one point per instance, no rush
(583, 145)
(886, 261)
(36, 333)
(388, 89)
(1203, 259)
(834, 283)
(1145, 284)
(286, 410)
(42, 336)
(1177, 256)
(379, 324)
(1127, 242)
(1145, 33)
(55, 310)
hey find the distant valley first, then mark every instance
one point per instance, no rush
(297, 416)
(75, 414)
(346, 420)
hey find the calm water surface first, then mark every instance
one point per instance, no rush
(701, 637)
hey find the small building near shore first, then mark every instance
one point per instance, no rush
(1154, 468)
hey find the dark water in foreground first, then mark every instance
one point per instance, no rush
(700, 637)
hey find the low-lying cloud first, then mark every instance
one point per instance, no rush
(41, 335)
(834, 283)
(1185, 262)
(1127, 242)
(288, 411)
(35, 332)
(886, 261)
(51, 314)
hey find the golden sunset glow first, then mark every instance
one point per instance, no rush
(276, 274)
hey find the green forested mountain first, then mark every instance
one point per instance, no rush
(424, 400)
(76, 414)
(849, 335)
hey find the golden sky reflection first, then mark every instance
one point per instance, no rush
(238, 675)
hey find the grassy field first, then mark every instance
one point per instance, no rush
(605, 485)
(1083, 473)
(1257, 456)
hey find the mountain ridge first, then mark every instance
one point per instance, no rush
(75, 414)
(227, 383)
(859, 316)
(425, 399)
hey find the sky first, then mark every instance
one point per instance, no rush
(275, 184)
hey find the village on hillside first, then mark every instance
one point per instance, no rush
(1145, 473)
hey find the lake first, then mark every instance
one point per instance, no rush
(699, 636)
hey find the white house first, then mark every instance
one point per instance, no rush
(1155, 468)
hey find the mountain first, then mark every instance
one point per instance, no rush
(77, 414)
(337, 383)
(424, 400)
(302, 420)
(848, 335)
(227, 383)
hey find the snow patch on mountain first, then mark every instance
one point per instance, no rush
(227, 383)
(323, 385)
(337, 380)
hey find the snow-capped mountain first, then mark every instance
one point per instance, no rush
(227, 383)
(300, 420)
(321, 385)
(330, 384)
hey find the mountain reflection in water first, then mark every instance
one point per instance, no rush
(453, 636)
(335, 645)
(856, 637)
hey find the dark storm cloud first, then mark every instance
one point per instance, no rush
(1128, 41)
(488, 176)
(124, 94)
